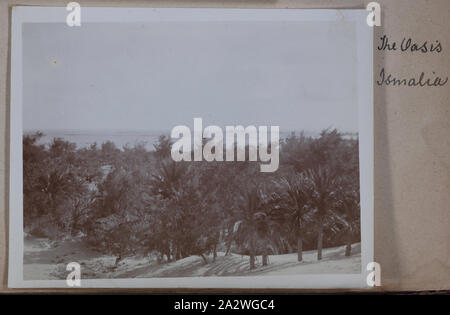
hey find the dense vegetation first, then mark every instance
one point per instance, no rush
(134, 201)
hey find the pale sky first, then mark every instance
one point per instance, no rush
(155, 75)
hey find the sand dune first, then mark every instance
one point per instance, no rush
(47, 260)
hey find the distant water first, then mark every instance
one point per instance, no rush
(120, 138)
(123, 139)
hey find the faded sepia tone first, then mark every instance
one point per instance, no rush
(409, 127)
(129, 208)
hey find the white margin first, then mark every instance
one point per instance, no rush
(29, 14)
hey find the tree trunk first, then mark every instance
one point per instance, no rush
(320, 242)
(252, 261)
(204, 259)
(230, 242)
(228, 249)
(215, 252)
(252, 254)
(299, 249)
(169, 259)
(118, 259)
(264, 259)
(348, 247)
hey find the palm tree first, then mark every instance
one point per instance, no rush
(350, 204)
(258, 223)
(299, 193)
(166, 182)
(324, 184)
(168, 177)
(246, 227)
(268, 228)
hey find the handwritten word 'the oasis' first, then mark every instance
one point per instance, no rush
(407, 44)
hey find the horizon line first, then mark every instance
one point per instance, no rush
(26, 130)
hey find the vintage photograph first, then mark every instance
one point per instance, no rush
(193, 144)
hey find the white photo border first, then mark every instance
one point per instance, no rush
(30, 14)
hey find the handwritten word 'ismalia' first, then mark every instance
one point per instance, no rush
(418, 81)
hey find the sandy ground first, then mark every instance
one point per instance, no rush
(44, 260)
(47, 260)
(334, 261)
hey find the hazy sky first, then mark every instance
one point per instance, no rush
(153, 76)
